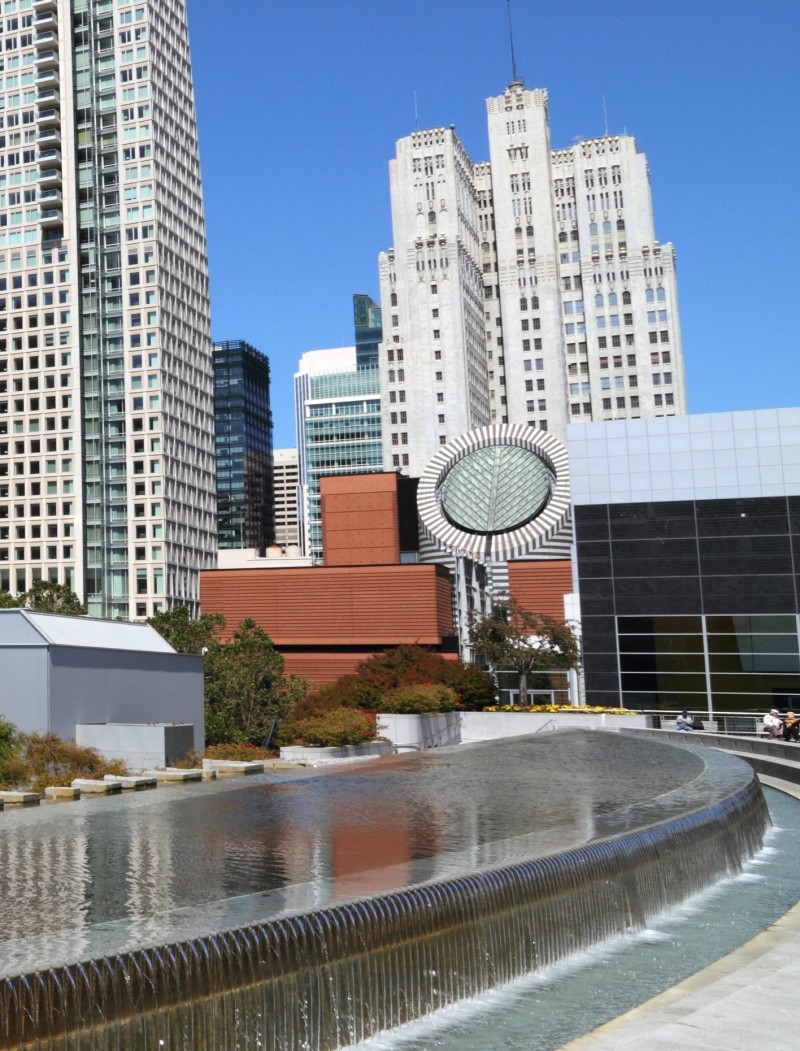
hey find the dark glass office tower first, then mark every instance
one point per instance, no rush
(243, 430)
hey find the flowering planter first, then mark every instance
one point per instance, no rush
(484, 726)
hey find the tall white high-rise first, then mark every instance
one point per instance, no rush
(106, 411)
(529, 289)
(285, 487)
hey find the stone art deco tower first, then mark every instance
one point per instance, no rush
(106, 414)
(529, 289)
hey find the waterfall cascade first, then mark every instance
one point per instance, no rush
(333, 976)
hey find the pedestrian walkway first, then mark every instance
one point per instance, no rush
(743, 1002)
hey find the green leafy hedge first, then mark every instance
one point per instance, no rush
(420, 699)
(342, 726)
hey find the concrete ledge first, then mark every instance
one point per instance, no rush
(61, 793)
(772, 758)
(299, 753)
(134, 783)
(88, 786)
(20, 798)
(174, 774)
(233, 767)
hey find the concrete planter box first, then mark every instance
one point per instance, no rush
(61, 794)
(141, 746)
(233, 767)
(20, 798)
(485, 726)
(301, 754)
(419, 732)
(90, 786)
(174, 776)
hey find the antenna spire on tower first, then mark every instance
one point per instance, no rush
(516, 79)
(605, 111)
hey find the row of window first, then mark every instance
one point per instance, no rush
(34, 553)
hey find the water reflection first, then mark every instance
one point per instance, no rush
(111, 874)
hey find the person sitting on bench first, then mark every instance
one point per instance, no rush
(791, 727)
(773, 724)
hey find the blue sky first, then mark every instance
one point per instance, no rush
(300, 106)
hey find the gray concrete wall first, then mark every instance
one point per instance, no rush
(116, 686)
(140, 747)
(421, 731)
(485, 726)
(23, 688)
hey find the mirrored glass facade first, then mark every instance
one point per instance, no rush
(682, 600)
(243, 429)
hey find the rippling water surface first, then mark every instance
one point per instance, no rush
(107, 874)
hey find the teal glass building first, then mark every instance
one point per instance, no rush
(341, 434)
(369, 330)
(338, 415)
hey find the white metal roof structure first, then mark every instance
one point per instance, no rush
(24, 627)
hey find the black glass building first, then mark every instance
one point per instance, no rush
(243, 431)
(690, 594)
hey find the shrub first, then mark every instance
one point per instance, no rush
(342, 726)
(46, 759)
(240, 753)
(419, 700)
(347, 692)
(9, 740)
(474, 687)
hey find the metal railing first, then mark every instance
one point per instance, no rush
(734, 724)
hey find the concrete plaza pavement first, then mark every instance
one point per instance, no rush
(747, 1001)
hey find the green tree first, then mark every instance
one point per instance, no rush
(185, 634)
(9, 741)
(511, 638)
(245, 687)
(9, 601)
(44, 596)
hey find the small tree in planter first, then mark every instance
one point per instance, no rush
(512, 638)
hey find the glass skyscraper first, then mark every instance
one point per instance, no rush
(338, 415)
(368, 330)
(106, 413)
(243, 428)
(339, 427)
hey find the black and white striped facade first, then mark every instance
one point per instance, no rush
(532, 537)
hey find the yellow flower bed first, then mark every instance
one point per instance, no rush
(554, 708)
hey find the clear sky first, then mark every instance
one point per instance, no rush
(300, 105)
